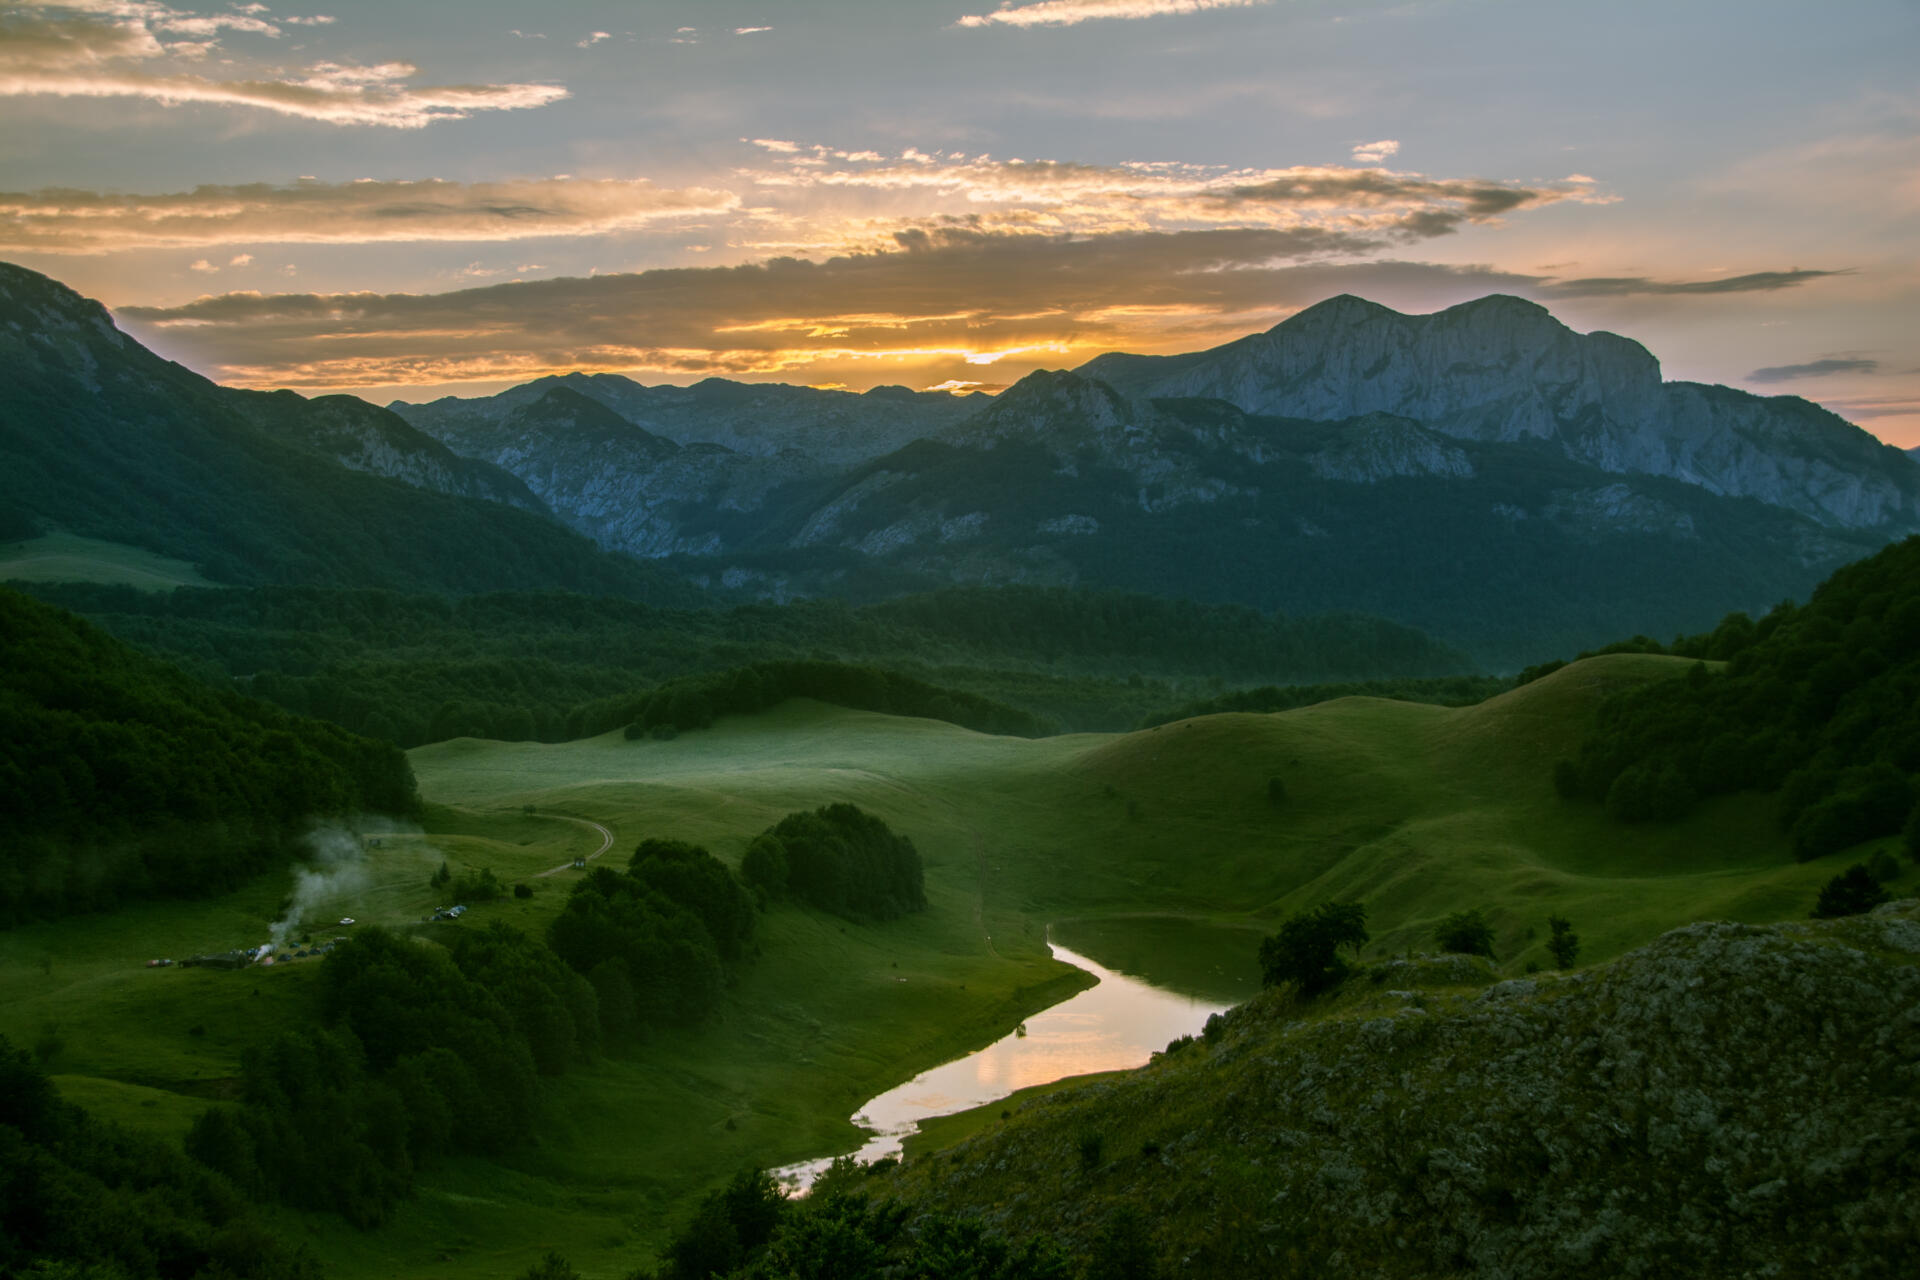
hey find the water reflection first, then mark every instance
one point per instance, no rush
(1112, 1026)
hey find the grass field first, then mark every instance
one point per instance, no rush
(1416, 810)
(64, 557)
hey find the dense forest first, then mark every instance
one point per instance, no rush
(1819, 703)
(554, 666)
(123, 777)
(83, 1198)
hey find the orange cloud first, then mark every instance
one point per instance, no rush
(368, 212)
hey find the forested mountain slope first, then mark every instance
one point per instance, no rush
(122, 777)
(100, 437)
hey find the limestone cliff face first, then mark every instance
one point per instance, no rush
(364, 437)
(620, 484)
(1503, 369)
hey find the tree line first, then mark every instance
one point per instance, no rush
(693, 702)
(552, 666)
(1818, 704)
(122, 777)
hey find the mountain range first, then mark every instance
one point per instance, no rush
(1485, 473)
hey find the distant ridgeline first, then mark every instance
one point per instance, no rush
(1819, 702)
(554, 666)
(1444, 691)
(123, 777)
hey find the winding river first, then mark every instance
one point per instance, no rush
(1163, 979)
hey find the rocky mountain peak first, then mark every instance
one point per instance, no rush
(1502, 369)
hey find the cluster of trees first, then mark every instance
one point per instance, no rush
(1443, 691)
(1819, 702)
(82, 1197)
(749, 1230)
(123, 777)
(840, 859)
(421, 1051)
(693, 701)
(654, 940)
(424, 1050)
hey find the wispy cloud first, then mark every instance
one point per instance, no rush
(1813, 369)
(748, 31)
(935, 306)
(593, 38)
(1068, 13)
(1627, 286)
(71, 221)
(117, 49)
(1375, 152)
(1048, 197)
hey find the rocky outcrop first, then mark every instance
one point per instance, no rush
(364, 437)
(1503, 369)
(627, 488)
(1380, 447)
(1729, 1100)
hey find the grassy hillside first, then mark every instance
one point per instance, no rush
(1418, 810)
(1723, 1101)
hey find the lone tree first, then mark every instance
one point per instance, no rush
(1466, 933)
(1306, 951)
(1564, 944)
(1851, 893)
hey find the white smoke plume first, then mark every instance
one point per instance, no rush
(336, 870)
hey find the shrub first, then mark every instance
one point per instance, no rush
(1564, 945)
(1883, 866)
(1306, 951)
(480, 886)
(523, 890)
(1853, 892)
(1465, 933)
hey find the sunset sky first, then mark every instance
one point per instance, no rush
(405, 199)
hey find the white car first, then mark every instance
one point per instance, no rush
(346, 919)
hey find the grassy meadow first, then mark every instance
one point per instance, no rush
(66, 557)
(1417, 810)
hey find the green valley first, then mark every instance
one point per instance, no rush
(1418, 810)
